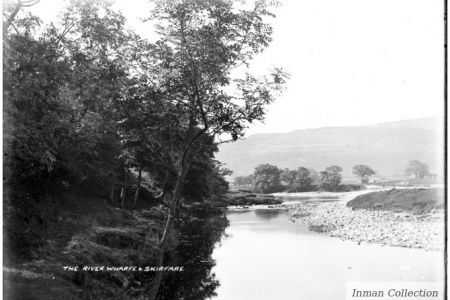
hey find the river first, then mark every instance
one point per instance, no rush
(263, 255)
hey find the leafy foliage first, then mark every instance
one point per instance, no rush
(302, 181)
(59, 83)
(266, 179)
(330, 179)
(92, 108)
(87, 103)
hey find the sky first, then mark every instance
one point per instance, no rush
(351, 62)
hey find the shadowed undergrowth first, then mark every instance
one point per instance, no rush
(88, 231)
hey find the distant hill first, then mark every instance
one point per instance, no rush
(386, 147)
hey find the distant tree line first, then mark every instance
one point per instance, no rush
(268, 178)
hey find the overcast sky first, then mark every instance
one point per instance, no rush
(352, 62)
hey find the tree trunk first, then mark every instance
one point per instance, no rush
(12, 16)
(175, 201)
(158, 277)
(124, 192)
(112, 192)
(136, 194)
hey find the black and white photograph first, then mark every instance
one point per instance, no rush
(224, 149)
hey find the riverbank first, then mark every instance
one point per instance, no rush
(390, 227)
(247, 198)
(89, 232)
(86, 232)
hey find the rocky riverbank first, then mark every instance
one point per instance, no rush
(402, 229)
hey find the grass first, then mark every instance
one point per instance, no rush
(415, 201)
(85, 231)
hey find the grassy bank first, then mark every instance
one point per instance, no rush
(88, 231)
(402, 200)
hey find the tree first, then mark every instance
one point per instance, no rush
(59, 83)
(299, 180)
(363, 172)
(330, 178)
(288, 177)
(200, 43)
(205, 180)
(89, 103)
(266, 178)
(244, 181)
(315, 177)
(302, 182)
(417, 168)
(13, 8)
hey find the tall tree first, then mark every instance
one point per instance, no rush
(363, 171)
(200, 44)
(88, 102)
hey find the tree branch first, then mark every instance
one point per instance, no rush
(13, 15)
(29, 3)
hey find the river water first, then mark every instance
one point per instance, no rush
(263, 255)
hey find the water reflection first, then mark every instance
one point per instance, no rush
(198, 236)
(267, 213)
(268, 257)
(260, 254)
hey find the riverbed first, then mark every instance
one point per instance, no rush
(264, 255)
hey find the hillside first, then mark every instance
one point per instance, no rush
(386, 147)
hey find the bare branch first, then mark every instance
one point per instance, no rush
(15, 29)
(13, 15)
(195, 81)
(29, 3)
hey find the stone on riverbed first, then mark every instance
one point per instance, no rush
(320, 227)
(401, 229)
